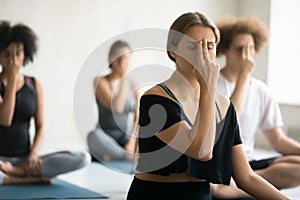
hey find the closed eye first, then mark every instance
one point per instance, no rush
(210, 45)
(191, 45)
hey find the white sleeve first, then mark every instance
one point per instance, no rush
(272, 117)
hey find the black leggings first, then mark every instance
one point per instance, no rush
(263, 163)
(148, 190)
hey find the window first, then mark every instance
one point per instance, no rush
(284, 51)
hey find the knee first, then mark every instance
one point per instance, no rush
(90, 137)
(82, 159)
(1, 177)
(94, 136)
(86, 158)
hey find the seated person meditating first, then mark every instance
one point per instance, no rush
(21, 99)
(116, 98)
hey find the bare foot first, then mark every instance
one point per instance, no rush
(129, 155)
(9, 169)
(10, 180)
(106, 158)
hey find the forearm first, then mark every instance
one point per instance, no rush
(203, 133)
(238, 94)
(37, 142)
(7, 106)
(120, 96)
(281, 143)
(259, 188)
(288, 146)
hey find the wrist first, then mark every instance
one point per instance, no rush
(33, 154)
(12, 78)
(208, 90)
(207, 95)
(245, 77)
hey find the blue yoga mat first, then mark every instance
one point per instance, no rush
(59, 189)
(122, 166)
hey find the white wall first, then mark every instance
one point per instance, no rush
(70, 31)
(283, 74)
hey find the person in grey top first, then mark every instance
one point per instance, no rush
(116, 99)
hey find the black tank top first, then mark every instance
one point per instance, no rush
(15, 139)
(157, 157)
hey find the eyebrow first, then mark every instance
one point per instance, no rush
(192, 42)
(197, 42)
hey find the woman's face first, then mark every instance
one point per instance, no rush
(186, 52)
(121, 63)
(12, 55)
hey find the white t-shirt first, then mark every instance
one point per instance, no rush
(260, 111)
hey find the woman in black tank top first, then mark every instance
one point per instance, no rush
(188, 134)
(20, 101)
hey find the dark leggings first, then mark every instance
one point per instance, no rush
(263, 163)
(144, 190)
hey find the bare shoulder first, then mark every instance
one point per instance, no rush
(152, 90)
(223, 103)
(38, 84)
(156, 90)
(99, 81)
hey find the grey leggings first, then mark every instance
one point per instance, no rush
(101, 144)
(55, 163)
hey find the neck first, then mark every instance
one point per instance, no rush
(185, 77)
(230, 73)
(114, 76)
(185, 85)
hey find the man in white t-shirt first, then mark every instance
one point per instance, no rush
(257, 110)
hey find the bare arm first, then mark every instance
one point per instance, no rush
(197, 141)
(246, 63)
(247, 180)
(7, 103)
(189, 140)
(33, 162)
(131, 144)
(113, 100)
(238, 94)
(282, 143)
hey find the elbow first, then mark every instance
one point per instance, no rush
(117, 109)
(6, 123)
(207, 157)
(6, 119)
(240, 184)
(203, 158)
(243, 181)
(39, 128)
(200, 154)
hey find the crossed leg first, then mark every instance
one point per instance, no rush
(17, 175)
(9, 169)
(8, 179)
(283, 172)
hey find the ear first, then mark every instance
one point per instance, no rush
(173, 55)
